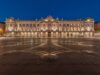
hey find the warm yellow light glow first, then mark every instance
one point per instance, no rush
(49, 20)
(88, 20)
(1, 30)
(46, 20)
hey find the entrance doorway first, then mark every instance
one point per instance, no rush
(49, 34)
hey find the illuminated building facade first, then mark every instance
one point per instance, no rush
(2, 28)
(50, 28)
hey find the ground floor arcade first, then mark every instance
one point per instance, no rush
(50, 34)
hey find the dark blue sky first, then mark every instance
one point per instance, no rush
(67, 9)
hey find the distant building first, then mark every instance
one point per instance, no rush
(97, 27)
(2, 28)
(50, 28)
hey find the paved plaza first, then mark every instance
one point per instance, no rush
(28, 56)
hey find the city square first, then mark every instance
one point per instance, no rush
(49, 46)
(50, 37)
(28, 56)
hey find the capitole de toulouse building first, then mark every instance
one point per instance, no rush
(49, 28)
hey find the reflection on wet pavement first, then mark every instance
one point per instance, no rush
(56, 46)
(73, 56)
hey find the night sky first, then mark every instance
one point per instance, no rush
(67, 9)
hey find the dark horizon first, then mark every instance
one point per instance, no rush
(35, 9)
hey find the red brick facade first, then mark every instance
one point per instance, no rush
(97, 26)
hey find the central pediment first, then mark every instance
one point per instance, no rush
(49, 19)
